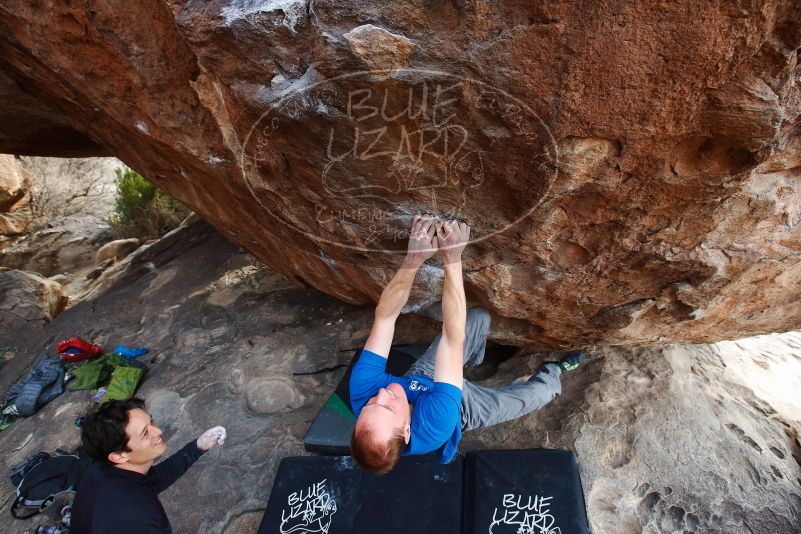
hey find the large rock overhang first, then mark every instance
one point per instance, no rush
(631, 171)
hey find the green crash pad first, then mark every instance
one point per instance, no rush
(331, 429)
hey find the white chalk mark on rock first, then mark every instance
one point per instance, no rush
(293, 10)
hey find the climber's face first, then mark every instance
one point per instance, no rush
(387, 414)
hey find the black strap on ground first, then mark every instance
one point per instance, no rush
(321, 371)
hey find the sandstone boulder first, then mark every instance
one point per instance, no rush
(379, 49)
(61, 187)
(13, 224)
(630, 170)
(116, 250)
(13, 182)
(27, 303)
(67, 244)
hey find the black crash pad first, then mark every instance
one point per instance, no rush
(532, 491)
(331, 429)
(330, 495)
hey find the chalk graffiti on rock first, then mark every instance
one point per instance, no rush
(425, 149)
(308, 511)
(523, 515)
(368, 150)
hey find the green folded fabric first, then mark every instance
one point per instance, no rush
(114, 360)
(94, 374)
(91, 374)
(124, 381)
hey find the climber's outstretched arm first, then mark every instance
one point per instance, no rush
(422, 245)
(452, 237)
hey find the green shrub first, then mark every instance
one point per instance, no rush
(141, 209)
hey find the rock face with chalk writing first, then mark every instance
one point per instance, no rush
(630, 170)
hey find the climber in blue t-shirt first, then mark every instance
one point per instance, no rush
(428, 409)
(413, 414)
(436, 406)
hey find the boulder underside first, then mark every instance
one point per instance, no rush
(630, 171)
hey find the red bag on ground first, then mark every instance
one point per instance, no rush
(76, 349)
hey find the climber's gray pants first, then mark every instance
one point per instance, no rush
(482, 406)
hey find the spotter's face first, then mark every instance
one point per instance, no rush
(144, 439)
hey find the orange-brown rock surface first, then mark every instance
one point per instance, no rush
(631, 170)
(14, 185)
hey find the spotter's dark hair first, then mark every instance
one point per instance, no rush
(103, 428)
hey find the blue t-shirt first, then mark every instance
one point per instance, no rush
(436, 406)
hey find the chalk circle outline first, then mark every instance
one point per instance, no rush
(389, 73)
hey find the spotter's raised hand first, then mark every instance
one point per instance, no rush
(211, 437)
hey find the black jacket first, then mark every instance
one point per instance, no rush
(110, 500)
